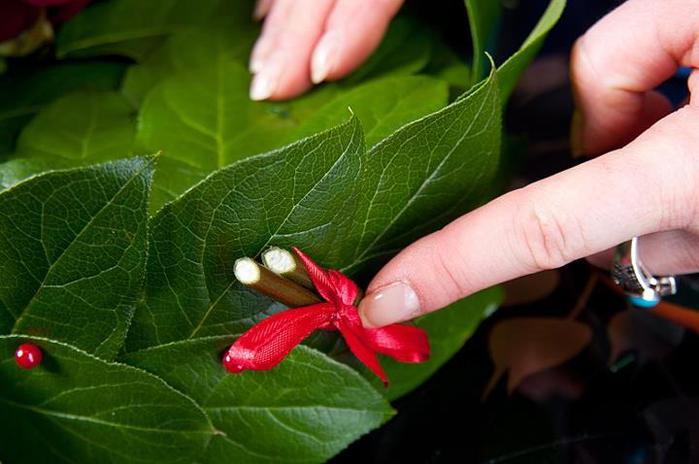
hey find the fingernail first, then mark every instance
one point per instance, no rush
(265, 82)
(576, 129)
(394, 303)
(324, 57)
(257, 57)
(255, 64)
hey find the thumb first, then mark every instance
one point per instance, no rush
(576, 213)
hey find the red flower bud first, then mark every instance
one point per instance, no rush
(28, 356)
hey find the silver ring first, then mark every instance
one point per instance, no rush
(642, 288)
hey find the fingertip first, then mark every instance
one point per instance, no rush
(324, 56)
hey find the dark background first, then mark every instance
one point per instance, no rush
(642, 409)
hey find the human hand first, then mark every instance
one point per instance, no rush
(649, 187)
(305, 42)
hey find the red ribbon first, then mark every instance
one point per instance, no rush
(268, 342)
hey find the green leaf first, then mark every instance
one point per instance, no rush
(204, 120)
(403, 99)
(343, 205)
(78, 408)
(421, 177)
(134, 28)
(510, 71)
(23, 94)
(484, 19)
(190, 290)
(72, 254)
(75, 130)
(305, 410)
(189, 50)
(82, 127)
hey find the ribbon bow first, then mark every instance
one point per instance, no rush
(268, 342)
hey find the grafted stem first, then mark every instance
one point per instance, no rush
(259, 278)
(287, 264)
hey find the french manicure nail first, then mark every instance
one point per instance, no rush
(324, 57)
(257, 57)
(256, 64)
(393, 303)
(263, 86)
(265, 82)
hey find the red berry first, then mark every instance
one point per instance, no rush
(28, 356)
(231, 365)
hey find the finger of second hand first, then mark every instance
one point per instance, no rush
(291, 31)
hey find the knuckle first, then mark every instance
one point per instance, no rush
(449, 265)
(550, 239)
(582, 68)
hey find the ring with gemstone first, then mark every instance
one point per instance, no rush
(642, 288)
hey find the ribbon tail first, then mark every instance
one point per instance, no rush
(318, 276)
(268, 342)
(402, 342)
(362, 351)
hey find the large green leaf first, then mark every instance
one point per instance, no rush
(204, 120)
(190, 289)
(72, 254)
(305, 410)
(186, 51)
(75, 130)
(82, 127)
(23, 94)
(78, 408)
(134, 28)
(422, 176)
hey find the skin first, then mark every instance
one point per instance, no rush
(642, 180)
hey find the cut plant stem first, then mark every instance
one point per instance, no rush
(259, 278)
(287, 264)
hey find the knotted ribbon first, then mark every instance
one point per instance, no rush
(268, 342)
